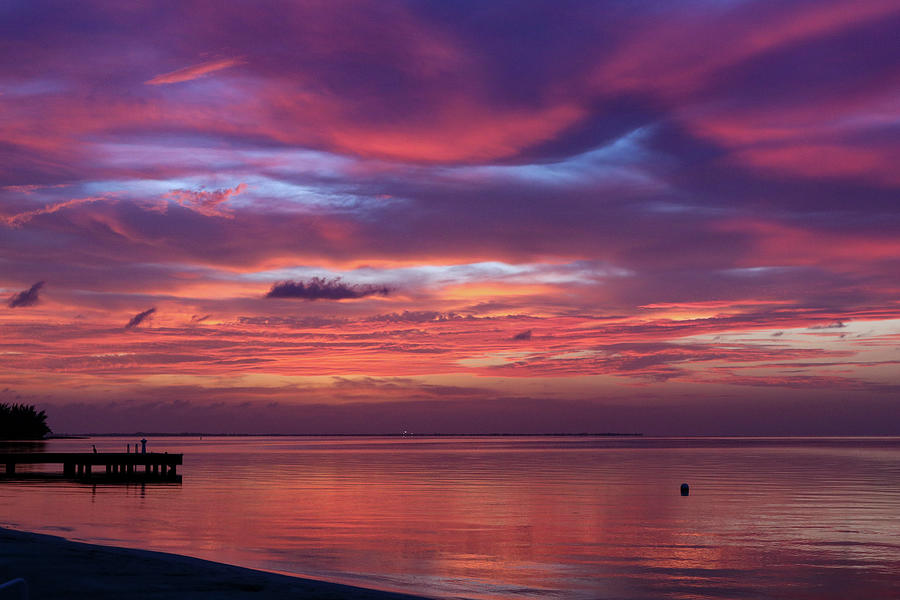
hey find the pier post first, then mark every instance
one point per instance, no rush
(69, 469)
(10, 468)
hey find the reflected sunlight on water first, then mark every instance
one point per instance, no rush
(511, 517)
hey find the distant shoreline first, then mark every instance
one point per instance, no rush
(77, 436)
(56, 568)
(84, 436)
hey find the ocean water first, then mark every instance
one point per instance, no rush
(509, 517)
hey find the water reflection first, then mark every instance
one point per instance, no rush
(22, 446)
(518, 517)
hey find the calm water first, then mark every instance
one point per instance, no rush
(510, 517)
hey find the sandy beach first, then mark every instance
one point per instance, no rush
(57, 568)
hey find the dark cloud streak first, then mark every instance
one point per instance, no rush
(319, 288)
(27, 297)
(140, 318)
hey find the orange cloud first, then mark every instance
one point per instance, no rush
(678, 55)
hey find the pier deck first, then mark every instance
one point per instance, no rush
(111, 465)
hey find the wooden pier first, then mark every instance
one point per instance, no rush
(100, 465)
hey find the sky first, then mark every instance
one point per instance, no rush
(458, 217)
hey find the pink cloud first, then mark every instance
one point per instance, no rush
(207, 203)
(677, 54)
(194, 71)
(19, 219)
(825, 161)
(835, 137)
(779, 244)
(462, 131)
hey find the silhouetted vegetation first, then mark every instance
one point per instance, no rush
(22, 422)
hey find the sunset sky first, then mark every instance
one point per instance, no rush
(659, 217)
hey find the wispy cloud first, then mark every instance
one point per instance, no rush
(206, 203)
(194, 71)
(27, 297)
(19, 219)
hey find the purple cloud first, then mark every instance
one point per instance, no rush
(27, 297)
(319, 288)
(835, 325)
(140, 318)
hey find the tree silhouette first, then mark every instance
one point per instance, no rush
(22, 422)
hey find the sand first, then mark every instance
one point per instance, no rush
(57, 568)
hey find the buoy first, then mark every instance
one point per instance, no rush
(685, 489)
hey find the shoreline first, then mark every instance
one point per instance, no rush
(55, 567)
(82, 436)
